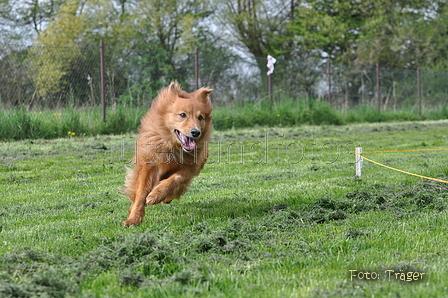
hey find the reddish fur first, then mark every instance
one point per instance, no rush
(163, 171)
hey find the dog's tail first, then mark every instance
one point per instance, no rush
(128, 189)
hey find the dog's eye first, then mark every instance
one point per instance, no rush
(200, 118)
(183, 115)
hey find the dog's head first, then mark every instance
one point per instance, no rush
(189, 116)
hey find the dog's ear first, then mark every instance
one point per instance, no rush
(202, 94)
(175, 89)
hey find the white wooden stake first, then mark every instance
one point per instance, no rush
(358, 161)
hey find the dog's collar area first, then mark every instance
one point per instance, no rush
(188, 144)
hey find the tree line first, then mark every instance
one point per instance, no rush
(402, 34)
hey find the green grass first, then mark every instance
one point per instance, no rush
(277, 212)
(19, 124)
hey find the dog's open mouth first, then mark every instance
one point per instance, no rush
(187, 143)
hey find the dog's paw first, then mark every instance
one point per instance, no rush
(132, 222)
(151, 200)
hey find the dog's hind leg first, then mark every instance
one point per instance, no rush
(142, 188)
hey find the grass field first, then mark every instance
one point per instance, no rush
(276, 212)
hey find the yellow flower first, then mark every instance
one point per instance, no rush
(73, 133)
(69, 133)
(278, 115)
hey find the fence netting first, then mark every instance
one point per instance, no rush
(58, 77)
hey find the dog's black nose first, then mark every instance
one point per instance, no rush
(195, 133)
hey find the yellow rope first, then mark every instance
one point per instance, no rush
(404, 150)
(380, 164)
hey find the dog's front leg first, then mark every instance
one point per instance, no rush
(169, 189)
(137, 210)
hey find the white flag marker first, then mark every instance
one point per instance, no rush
(271, 62)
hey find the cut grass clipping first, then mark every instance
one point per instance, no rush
(275, 213)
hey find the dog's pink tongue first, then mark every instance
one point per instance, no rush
(189, 144)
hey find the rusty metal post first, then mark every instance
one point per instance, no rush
(378, 87)
(419, 92)
(270, 87)
(103, 87)
(196, 68)
(329, 78)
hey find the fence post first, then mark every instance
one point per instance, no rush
(196, 68)
(419, 92)
(329, 79)
(378, 87)
(358, 152)
(103, 89)
(270, 87)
